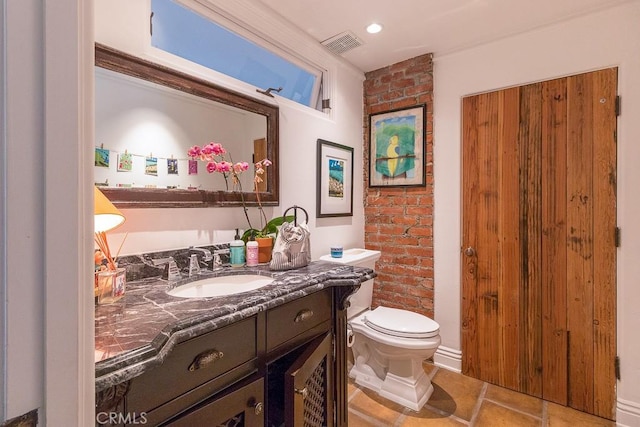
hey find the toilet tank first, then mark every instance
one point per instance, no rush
(361, 300)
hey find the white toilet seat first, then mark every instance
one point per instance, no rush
(359, 326)
(401, 323)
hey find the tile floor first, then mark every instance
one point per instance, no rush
(458, 400)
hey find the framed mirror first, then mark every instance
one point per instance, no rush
(149, 115)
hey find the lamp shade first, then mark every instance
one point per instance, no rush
(106, 215)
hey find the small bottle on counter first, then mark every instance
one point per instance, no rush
(236, 251)
(252, 253)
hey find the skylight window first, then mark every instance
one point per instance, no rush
(185, 33)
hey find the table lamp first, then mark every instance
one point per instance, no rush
(105, 217)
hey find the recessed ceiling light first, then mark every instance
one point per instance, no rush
(374, 28)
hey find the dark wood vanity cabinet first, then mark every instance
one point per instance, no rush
(281, 367)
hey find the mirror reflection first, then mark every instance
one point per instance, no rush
(138, 121)
(147, 118)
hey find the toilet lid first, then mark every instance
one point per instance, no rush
(401, 323)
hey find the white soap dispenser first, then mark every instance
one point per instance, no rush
(236, 249)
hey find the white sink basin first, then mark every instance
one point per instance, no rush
(221, 286)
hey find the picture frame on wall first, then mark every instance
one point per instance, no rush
(397, 148)
(334, 180)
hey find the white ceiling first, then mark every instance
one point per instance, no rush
(416, 27)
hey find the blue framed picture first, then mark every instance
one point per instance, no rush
(334, 180)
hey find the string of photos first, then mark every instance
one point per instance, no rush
(125, 162)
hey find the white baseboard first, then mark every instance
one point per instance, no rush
(448, 358)
(627, 413)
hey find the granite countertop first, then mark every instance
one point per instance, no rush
(137, 332)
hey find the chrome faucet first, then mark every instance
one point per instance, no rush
(162, 261)
(217, 261)
(194, 265)
(206, 253)
(171, 270)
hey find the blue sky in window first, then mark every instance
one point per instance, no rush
(184, 33)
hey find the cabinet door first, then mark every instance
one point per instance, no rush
(309, 386)
(242, 407)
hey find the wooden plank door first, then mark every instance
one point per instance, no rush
(538, 263)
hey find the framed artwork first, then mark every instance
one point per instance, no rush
(397, 148)
(334, 190)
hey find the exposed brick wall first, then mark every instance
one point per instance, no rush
(399, 221)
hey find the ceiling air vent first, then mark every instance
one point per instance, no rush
(342, 42)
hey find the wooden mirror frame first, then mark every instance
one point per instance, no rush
(120, 62)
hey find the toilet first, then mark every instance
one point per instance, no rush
(388, 344)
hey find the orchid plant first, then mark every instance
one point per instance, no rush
(216, 157)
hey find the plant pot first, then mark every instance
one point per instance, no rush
(265, 245)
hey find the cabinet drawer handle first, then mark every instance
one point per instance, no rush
(257, 408)
(303, 315)
(303, 392)
(205, 358)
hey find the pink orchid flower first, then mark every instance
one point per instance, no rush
(212, 167)
(216, 148)
(224, 166)
(207, 150)
(240, 167)
(194, 151)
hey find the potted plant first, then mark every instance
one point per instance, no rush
(215, 156)
(265, 236)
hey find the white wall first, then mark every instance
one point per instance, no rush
(23, 281)
(3, 225)
(606, 39)
(123, 25)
